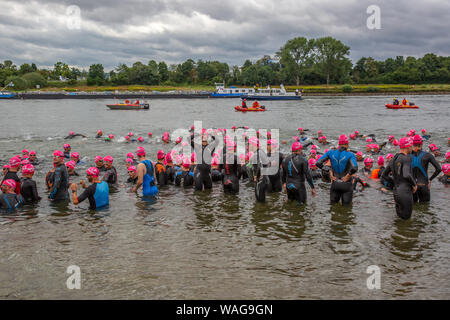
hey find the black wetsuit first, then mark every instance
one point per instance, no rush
(419, 164)
(231, 170)
(101, 169)
(170, 172)
(10, 201)
(132, 180)
(295, 172)
(216, 175)
(202, 172)
(268, 183)
(29, 191)
(110, 176)
(184, 178)
(49, 179)
(343, 162)
(60, 184)
(445, 179)
(316, 174)
(13, 176)
(161, 174)
(75, 135)
(403, 180)
(325, 172)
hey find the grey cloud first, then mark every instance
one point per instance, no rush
(115, 32)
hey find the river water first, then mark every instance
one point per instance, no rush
(206, 245)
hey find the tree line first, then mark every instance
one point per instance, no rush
(300, 61)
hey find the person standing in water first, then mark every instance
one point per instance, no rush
(28, 185)
(60, 179)
(9, 200)
(14, 167)
(295, 172)
(419, 164)
(403, 180)
(146, 175)
(97, 192)
(110, 175)
(343, 166)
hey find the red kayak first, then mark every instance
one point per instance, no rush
(399, 106)
(239, 108)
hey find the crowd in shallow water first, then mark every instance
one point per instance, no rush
(205, 158)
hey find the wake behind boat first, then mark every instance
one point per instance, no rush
(127, 105)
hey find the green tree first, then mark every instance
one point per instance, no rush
(331, 55)
(297, 54)
(96, 75)
(163, 71)
(33, 79)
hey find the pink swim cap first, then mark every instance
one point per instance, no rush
(391, 137)
(132, 169)
(446, 168)
(424, 131)
(359, 153)
(447, 155)
(254, 141)
(66, 146)
(417, 140)
(150, 134)
(141, 139)
(70, 164)
(405, 142)
(215, 161)
(369, 140)
(233, 127)
(9, 183)
(32, 153)
(25, 162)
(380, 161)
(14, 162)
(319, 132)
(368, 161)
(356, 132)
(300, 129)
(71, 133)
(296, 146)
(389, 156)
(272, 142)
(25, 151)
(93, 171)
(98, 158)
(130, 155)
(6, 166)
(395, 142)
(432, 146)
(352, 136)
(178, 140)
(99, 132)
(140, 152)
(58, 153)
(75, 155)
(127, 138)
(312, 163)
(169, 157)
(313, 147)
(28, 169)
(343, 139)
(193, 157)
(130, 134)
(108, 159)
(186, 162)
(129, 160)
(295, 138)
(160, 154)
(111, 136)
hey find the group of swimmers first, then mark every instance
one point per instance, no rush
(405, 173)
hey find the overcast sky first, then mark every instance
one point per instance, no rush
(112, 32)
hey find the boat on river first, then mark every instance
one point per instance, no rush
(6, 95)
(232, 91)
(401, 106)
(127, 105)
(273, 94)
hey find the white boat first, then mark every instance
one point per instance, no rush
(273, 94)
(6, 95)
(232, 91)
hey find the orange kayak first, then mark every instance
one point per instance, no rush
(399, 106)
(239, 108)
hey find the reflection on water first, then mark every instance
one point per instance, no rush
(211, 245)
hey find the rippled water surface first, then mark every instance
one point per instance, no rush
(207, 245)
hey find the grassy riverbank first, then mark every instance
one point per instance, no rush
(308, 90)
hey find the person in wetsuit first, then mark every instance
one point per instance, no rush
(185, 177)
(132, 175)
(110, 175)
(60, 179)
(28, 185)
(170, 169)
(402, 179)
(9, 200)
(146, 175)
(33, 158)
(99, 164)
(73, 135)
(343, 166)
(445, 179)
(97, 193)
(419, 164)
(161, 174)
(268, 182)
(67, 150)
(202, 173)
(231, 170)
(14, 166)
(295, 172)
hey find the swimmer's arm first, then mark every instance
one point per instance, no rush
(35, 193)
(437, 167)
(322, 160)
(140, 181)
